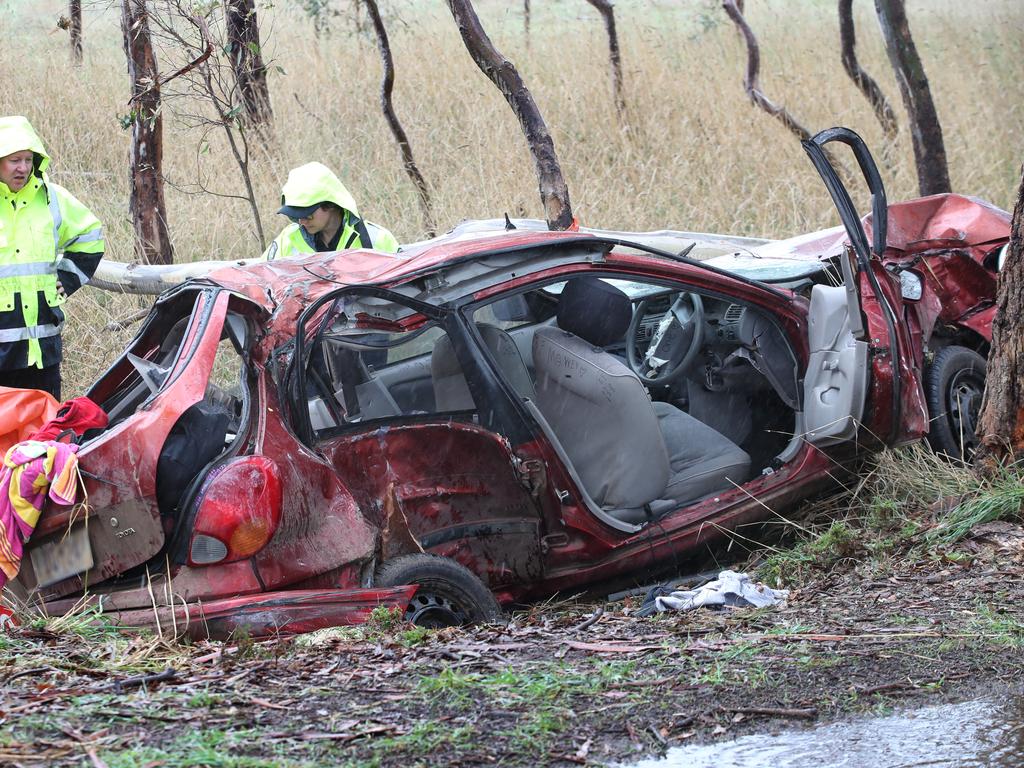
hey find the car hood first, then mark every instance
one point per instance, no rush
(936, 221)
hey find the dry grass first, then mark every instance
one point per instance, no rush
(696, 155)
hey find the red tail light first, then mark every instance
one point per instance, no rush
(239, 509)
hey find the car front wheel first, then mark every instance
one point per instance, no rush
(449, 594)
(954, 385)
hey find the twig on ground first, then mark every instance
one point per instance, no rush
(591, 620)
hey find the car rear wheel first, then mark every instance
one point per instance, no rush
(954, 384)
(449, 594)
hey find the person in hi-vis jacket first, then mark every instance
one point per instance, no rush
(324, 217)
(50, 245)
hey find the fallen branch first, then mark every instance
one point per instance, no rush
(131, 682)
(809, 714)
(590, 620)
(908, 684)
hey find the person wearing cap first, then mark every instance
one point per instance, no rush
(324, 217)
(50, 245)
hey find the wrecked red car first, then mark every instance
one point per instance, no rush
(488, 418)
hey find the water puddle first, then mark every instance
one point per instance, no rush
(969, 735)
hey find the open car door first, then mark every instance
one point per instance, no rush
(859, 346)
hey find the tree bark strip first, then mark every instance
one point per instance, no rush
(615, 57)
(149, 216)
(867, 84)
(75, 12)
(526, 21)
(554, 194)
(386, 87)
(243, 34)
(925, 131)
(1001, 423)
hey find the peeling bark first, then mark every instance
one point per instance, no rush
(925, 131)
(1001, 423)
(75, 28)
(146, 203)
(243, 35)
(867, 84)
(386, 87)
(554, 194)
(614, 56)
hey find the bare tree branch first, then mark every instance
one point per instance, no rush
(867, 85)
(750, 82)
(554, 194)
(605, 8)
(386, 87)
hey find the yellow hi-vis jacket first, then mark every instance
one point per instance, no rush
(46, 235)
(315, 183)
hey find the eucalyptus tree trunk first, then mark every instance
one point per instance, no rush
(925, 131)
(146, 203)
(75, 28)
(867, 84)
(606, 10)
(1001, 426)
(554, 194)
(386, 87)
(243, 36)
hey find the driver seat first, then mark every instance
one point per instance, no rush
(636, 459)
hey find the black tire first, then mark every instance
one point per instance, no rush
(449, 594)
(953, 386)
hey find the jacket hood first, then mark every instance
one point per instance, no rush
(17, 134)
(314, 183)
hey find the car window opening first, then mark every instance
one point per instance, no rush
(639, 450)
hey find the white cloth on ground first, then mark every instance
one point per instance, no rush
(729, 589)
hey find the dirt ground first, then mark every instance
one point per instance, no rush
(562, 684)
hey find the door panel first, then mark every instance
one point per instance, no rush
(835, 384)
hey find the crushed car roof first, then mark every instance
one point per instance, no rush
(303, 279)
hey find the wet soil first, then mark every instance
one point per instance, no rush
(562, 684)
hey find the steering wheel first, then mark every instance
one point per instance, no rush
(676, 340)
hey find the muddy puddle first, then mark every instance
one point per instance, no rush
(973, 734)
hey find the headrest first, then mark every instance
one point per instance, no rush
(594, 310)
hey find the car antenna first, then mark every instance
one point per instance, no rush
(508, 223)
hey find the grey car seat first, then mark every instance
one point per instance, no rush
(636, 459)
(451, 393)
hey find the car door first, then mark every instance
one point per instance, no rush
(861, 350)
(391, 392)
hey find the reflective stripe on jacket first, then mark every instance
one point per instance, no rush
(46, 235)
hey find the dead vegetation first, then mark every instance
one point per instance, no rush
(887, 606)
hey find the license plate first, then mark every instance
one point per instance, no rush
(64, 557)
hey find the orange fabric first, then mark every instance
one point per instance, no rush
(22, 412)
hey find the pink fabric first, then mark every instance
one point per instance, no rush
(32, 472)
